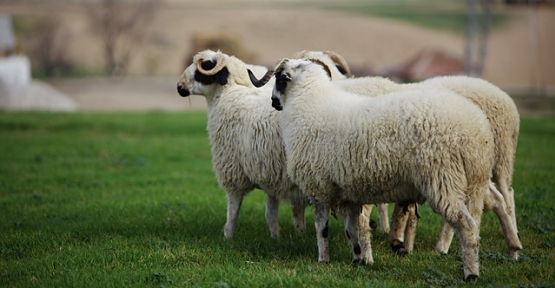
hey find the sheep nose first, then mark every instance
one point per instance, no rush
(182, 90)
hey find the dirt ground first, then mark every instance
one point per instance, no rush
(273, 33)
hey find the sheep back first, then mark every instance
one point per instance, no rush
(381, 149)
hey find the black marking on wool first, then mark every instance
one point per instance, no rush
(405, 206)
(347, 234)
(356, 249)
(325, 231)
(399, 247)
(220, 77)
(471, 278)
(276, 104)
(281, 81)
(396, 244)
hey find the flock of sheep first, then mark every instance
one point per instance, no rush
(318, 136)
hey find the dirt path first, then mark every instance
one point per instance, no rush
(133, 93)
(273, 33)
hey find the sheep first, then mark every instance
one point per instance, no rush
(504, 119)
(341, 72)
(245, 137)
(424, 144)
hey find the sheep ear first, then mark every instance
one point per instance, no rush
(283, 76)
(221, 77)
(286, 76)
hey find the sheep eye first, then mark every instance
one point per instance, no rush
(283, 77)
(281, 82)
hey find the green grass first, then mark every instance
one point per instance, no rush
(129, 199)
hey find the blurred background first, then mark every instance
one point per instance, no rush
(83, 55)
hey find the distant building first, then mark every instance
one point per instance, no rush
(7, 39)
(426, 64)
(17, 90)
(15, 70)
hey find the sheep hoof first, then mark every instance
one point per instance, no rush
(402, 252)
(514, 254)
(397, 245)
(324, 262)
(471, 277)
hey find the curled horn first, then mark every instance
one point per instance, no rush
(338, 59)
(319, 62)
(220, 63)
(259, 83)
(300, 54)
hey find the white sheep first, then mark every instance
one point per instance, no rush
(427, 144)
(342, 71)
(504, 119)
(245, 135)
(505, 122)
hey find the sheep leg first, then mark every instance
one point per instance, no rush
(298, 216)
(352, 217)
(507, 224)
(233, 207)
(321, 212)
(468, 231)
(365, 234)
(399, 221)
(410, 229)
(508, 195)
(384, 220)
(272, 209)
(445, 239)
(465, 219)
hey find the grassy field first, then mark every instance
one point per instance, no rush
(129, 199)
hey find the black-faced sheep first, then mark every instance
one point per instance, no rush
(417, 145)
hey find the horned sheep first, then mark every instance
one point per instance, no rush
(504, 119)
(416, 145)
(245, 137)
(341, 72)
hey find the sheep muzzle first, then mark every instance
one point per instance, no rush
(276, 104)
(184, 92)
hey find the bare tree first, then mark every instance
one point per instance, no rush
(122, 26)
(47, 47)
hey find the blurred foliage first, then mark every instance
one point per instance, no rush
(45, 42)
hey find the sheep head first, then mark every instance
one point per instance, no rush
(284, 72)
(212, 69)
(208, 68)
(332, 59)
